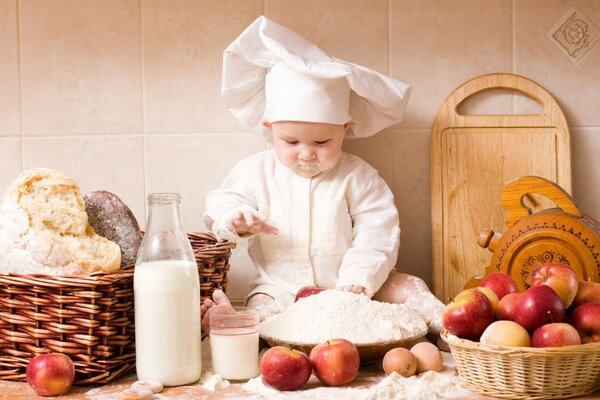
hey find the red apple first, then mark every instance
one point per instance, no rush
(505, 333)
(50, 374)
(587, 292)
(468, 314)
(560, 277)
(335, 362)
(586, 319)
(501, 283)
(557, 334)
(508, 306)
(308, 291)
(283, 368)
(537, 306)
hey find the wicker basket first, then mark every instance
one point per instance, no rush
(212, 257)
(90, 318)
(527, 372)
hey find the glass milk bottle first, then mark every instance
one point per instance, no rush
(167, 298)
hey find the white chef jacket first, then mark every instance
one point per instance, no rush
(336, 229)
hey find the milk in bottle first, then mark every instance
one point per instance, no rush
(167, 298)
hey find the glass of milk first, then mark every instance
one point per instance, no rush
(234, 342)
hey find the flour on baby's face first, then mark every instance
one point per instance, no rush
(308, 148)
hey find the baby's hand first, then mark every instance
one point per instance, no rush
(219, 300)
(249, 222)
(357, 289)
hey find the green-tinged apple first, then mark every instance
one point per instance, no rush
(505, 333)
(335, 362)
(587, 292)
(468, 314)
(556, 334)
(560, 277)
(50, 374)
(491, 295)
(283, 368)
(537, 306)
(501, 283)
(308, 291)
(508, 306)
(586, 319)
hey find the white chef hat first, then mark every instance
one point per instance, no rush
(271, 73)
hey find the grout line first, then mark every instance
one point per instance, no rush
(514, 50)
(19, 62)
(92, 135)
(390, 131)
(143, 94)
(389, 38)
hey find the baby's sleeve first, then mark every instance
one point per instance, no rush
(232, 197)
(376, 236)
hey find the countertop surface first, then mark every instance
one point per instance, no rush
(370, 375)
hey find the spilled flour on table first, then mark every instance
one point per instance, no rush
(426, 386)
(208, 381)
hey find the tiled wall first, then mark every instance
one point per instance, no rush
(123, 95)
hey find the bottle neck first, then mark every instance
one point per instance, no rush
(163, 213)
(165, 238)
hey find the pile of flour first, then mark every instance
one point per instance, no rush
(334, 314)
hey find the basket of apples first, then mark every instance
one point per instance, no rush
(542, 343)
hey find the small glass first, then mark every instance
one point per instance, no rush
(234, 342)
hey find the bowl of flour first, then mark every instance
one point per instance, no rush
(374, 327)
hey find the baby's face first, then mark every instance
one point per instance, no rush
(308, 148)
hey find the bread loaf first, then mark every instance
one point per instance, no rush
(44, 229)
(111, 218)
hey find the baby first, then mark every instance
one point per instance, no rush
(311, 214)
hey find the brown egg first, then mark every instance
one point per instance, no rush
(400, 360)
(429, 357)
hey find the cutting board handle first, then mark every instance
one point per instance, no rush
(514, 192)
(502, 80)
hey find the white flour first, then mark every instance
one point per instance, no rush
(426, 386)
(208, 381)
(334, 314)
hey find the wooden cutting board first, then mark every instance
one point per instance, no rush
(472, 158)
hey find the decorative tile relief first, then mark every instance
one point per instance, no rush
(575, 34)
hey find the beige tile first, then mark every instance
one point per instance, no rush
(10, 110)
(192, 165)
(411, 187)
(353, 30)
(436, 46)
(585, 147)
(113, 163)
(81, 69)
(183, 51)
(575, 86)
(376, 150)
(10, 161)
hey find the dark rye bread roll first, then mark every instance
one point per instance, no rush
(112, 219)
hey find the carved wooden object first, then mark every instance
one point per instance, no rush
(561, 234)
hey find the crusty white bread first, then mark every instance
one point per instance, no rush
(44, 229)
